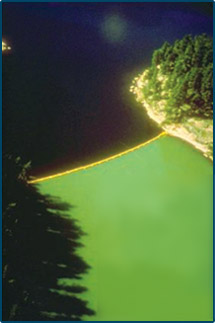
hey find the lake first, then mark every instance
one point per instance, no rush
(148, 221)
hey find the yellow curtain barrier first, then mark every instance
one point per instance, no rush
(74, 170)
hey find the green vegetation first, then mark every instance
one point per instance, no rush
(186, 82)
(177, 90)
(39, 253)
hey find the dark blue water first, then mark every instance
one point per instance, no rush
(65, 83)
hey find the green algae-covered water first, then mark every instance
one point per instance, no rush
(148, 219)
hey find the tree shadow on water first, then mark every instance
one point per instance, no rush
(40, 243)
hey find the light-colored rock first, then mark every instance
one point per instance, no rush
(197, 131)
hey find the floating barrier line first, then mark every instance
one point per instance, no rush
(74, 170)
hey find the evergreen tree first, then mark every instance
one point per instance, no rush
(184, 73)
(39, 248)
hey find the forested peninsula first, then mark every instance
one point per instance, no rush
(177, 90)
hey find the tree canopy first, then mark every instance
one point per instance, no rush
(181, 77)
(40, 241)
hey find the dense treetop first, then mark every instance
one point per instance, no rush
(181, 78)
(41, 266)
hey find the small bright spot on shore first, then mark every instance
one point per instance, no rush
(5, 46)
(114, 28)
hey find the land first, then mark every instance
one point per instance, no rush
(195, 130)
